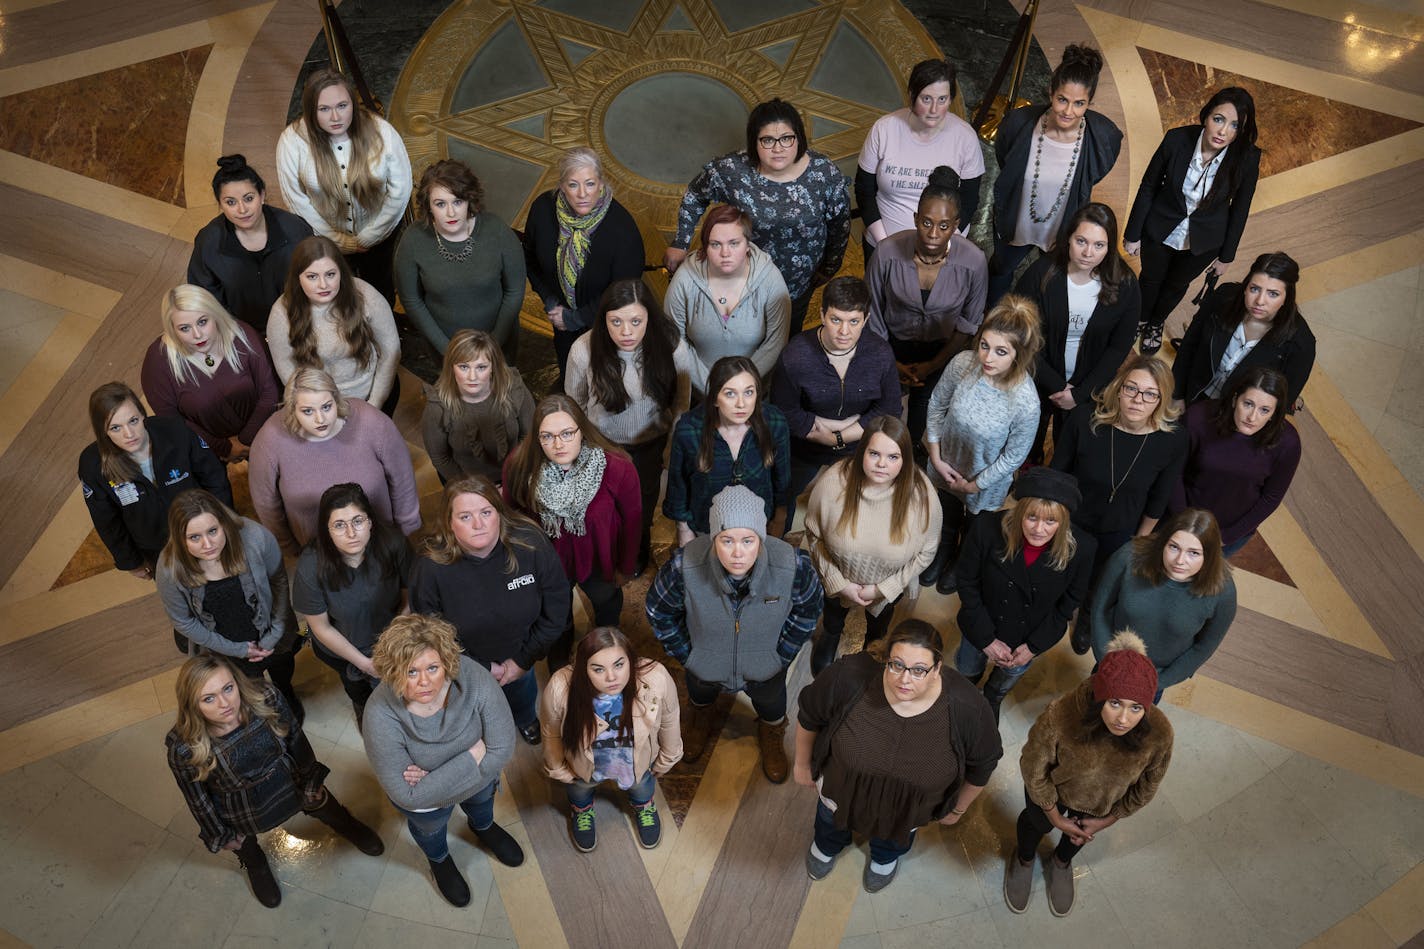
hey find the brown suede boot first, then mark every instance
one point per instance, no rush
(771, 739)
(697, 731)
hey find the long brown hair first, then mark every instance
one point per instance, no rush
(526, 463)
(580, 725)
(1113, 273)
(910, 488)
(192, 728)
(654, 359)
(114, 463)
(348, 307)
(442, 547)
(467, 345)
(1201, 524)
(1060, 549)
(192, 503)
(366, 189)
(1270, 381)
(718, 376)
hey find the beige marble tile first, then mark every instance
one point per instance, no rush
(407, 891)
(1400, 909)
(27, 791)
(214, 881)
(1356, 931)
(20, 619)
(76, 724)
(303, 919)
(1210, 765)
(119, 924)
(1362, 369)
(935, 882)
(1282, 862)
(25, 324)
(969, 929)
(148, 792)
(1381, 310)
(1404, 443)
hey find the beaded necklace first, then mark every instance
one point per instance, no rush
(1067, 179)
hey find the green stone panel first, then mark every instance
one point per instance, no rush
(504, 67)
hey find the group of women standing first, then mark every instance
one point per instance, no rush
(1156, 475)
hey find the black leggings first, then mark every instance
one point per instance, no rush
(1034, 823)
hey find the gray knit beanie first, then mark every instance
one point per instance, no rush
(737, 506)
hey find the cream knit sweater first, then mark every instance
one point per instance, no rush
(868, 555)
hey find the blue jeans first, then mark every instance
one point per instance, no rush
(831, 840)
(1236, 546)
(429, 827)
(581, 792)
(523, 697)
(970, 661)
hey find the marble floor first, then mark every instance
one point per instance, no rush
(1293, 812)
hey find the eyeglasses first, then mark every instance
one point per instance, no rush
(777, 141)
(898, 668)
(566, 436)
(1150, 396)
(356, 525)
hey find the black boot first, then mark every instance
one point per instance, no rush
(450, 882)
(823, 653)
(941, 560)
(259, 873)
(332, 814)
(1082, 639)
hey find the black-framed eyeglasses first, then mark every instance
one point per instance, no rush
(898, 668)
(773, 141)
(1150, 396)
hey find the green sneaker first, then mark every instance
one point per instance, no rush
(650, 827)
(581, 828)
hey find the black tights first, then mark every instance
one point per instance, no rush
(1033, 824)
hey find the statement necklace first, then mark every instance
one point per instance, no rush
(1112, 462)
(1067, 179)
(463, 255)
(931, 263)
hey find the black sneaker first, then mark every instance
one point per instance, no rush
(650, 827)
(450, 882)
(581, 828)
(530, 733)
(503, 847)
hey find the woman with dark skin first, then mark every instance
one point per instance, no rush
(1241, 325)
(1192, 205)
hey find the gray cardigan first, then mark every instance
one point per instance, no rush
(475, 709)
(264, 584)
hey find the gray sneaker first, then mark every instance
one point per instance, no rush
(875, 882)
(1018, 883)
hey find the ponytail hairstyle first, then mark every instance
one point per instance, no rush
(233, 168)
(1228, 177)
(653, 361)
(1080, 64)
(347, 306)
(1113, 271)
(1015, 318)
(366, 190)
(912, 632)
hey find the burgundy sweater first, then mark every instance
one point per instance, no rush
(612, 525)
(230, 402)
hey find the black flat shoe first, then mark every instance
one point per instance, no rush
(450, 882)
(530, 733)
(501, 846)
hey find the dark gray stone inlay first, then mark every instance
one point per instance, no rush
(852, 69)
(666, 127)
(504, 67)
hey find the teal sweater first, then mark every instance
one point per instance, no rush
(1181, 630)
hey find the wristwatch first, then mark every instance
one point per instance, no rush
(840, 442)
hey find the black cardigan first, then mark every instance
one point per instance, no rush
(1144, 480)
(1014, 603)
(1159, 206)
(247, 284)
(615, 253)
(136, 532)
(824, 705)
(1206, 340)
(1102, 140)
(1106, 341)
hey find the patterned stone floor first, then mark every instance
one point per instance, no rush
(1294, 809)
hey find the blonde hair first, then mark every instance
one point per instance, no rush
(1016, 319)
(467, 345)
(1109, 406)
(192, 728)
(1060, 549)
(192, 299)
(408, 636)
(310, 380)
(441, 545)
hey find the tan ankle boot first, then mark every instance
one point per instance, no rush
(771, 741)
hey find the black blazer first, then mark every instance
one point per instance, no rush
(615, 253)
(1208, 336)
(131, 518)
(1102, 140)
(247, 284)
(1106, 341)
(1159, 206)
(1011, 602)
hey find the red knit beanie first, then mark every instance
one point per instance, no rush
(1125, 672)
